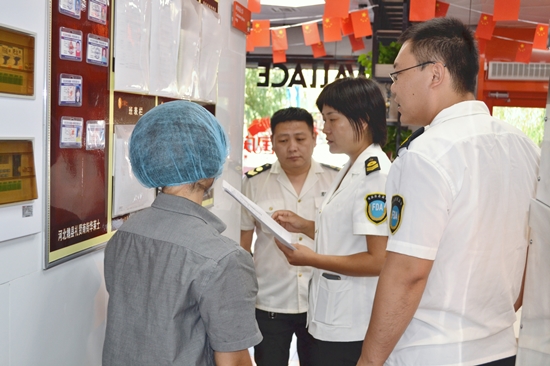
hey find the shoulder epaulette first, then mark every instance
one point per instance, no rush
(258, 170)
(333, 167)
(405, 144)
(371, 165)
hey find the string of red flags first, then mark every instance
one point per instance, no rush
(338, 22)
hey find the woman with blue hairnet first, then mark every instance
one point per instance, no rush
(180, 293)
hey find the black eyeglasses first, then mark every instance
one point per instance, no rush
(393, 75)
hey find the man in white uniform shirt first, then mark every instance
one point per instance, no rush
(297, 183)
(458, 202)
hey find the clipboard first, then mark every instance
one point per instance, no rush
(280, 232)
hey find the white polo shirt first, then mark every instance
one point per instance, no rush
(339, 310)
(283, 288)
(459, 195)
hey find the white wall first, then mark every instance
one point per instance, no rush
(57, 317)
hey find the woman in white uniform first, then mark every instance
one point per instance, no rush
(350, 229)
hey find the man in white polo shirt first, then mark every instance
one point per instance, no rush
(458, 198)
(297, 183)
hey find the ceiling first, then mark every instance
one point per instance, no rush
(531, 13)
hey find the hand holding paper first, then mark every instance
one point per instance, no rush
(280, 233)
(294, 223)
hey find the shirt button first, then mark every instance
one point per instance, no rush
(299, 201)
(271, 208)
(300, 238)
(299, 275)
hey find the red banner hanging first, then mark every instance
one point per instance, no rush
(540, 41)
(279, 56)
(311, 33)
(318, 50)
(441, 9)
(331, 29)
(506, 10)
(421, 10)
(485, 27)
(360, 21)
(523, 53)
(336, 8)
(278, 39)
(259, 35)
(357, 44)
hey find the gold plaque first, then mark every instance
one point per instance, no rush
(16, 62)
(17, 175)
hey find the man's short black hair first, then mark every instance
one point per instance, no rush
(451, 42)
(291, 114)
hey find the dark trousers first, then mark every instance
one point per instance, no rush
(336, 353)
(510, 361)
(277, 330)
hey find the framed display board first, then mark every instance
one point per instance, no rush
(78, 130)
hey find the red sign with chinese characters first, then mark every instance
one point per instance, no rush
(241, 17)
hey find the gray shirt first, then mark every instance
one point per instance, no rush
(178, 290)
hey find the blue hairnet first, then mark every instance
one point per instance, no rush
(177, 143)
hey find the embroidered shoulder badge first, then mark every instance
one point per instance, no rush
(371, 165)
(258, 170)
(376, 207)
(333, 167)
(397, 206)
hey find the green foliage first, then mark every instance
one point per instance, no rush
(261, 101)
(386, 55)
(390, 147)
(528, 120)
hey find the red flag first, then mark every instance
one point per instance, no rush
(361, 23)
(318, 50)
(259, 125)
(506, 10)
(249, 43)
(279, 56)
(421, 10)
(336, 8)
(311, 33)
(347, 27)
(331, 29)
(441, 9)
(485, 27)
(254, 6)
(356, 43)
(540, 42)
(523, 54)
(278, 39)
(259, 35)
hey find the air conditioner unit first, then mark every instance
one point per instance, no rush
(518, 71)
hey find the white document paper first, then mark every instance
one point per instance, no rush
(280, 232)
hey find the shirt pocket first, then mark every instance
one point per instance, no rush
(333, 306)
(270, 206)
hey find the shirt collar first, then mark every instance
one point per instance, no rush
(181, 205)
(459, 110)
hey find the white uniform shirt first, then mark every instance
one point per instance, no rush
(465, 186)
(339, 310)
(283, 288)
